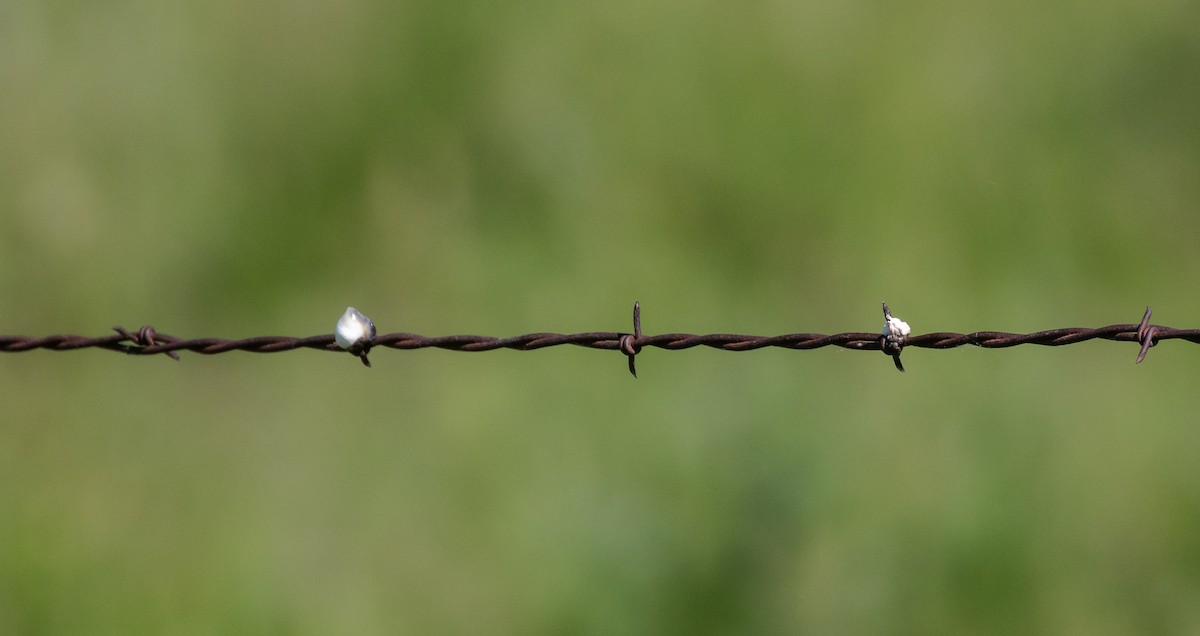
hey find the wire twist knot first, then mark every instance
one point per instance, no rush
(144, 337)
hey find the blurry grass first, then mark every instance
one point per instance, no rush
(243, 169)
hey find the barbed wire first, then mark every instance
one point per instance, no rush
(895, 336)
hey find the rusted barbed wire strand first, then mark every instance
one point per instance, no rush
(147, 341)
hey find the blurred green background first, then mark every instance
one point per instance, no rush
(251, 168)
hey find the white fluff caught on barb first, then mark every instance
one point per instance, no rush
(353, 329)
(896, 327)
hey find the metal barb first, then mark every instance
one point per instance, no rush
(891, 343)
(362, 352)
(145, 337)
(1145, 335)
(629, 343)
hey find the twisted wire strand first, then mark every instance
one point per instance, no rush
(147, 341)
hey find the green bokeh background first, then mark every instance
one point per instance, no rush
(249, 168)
